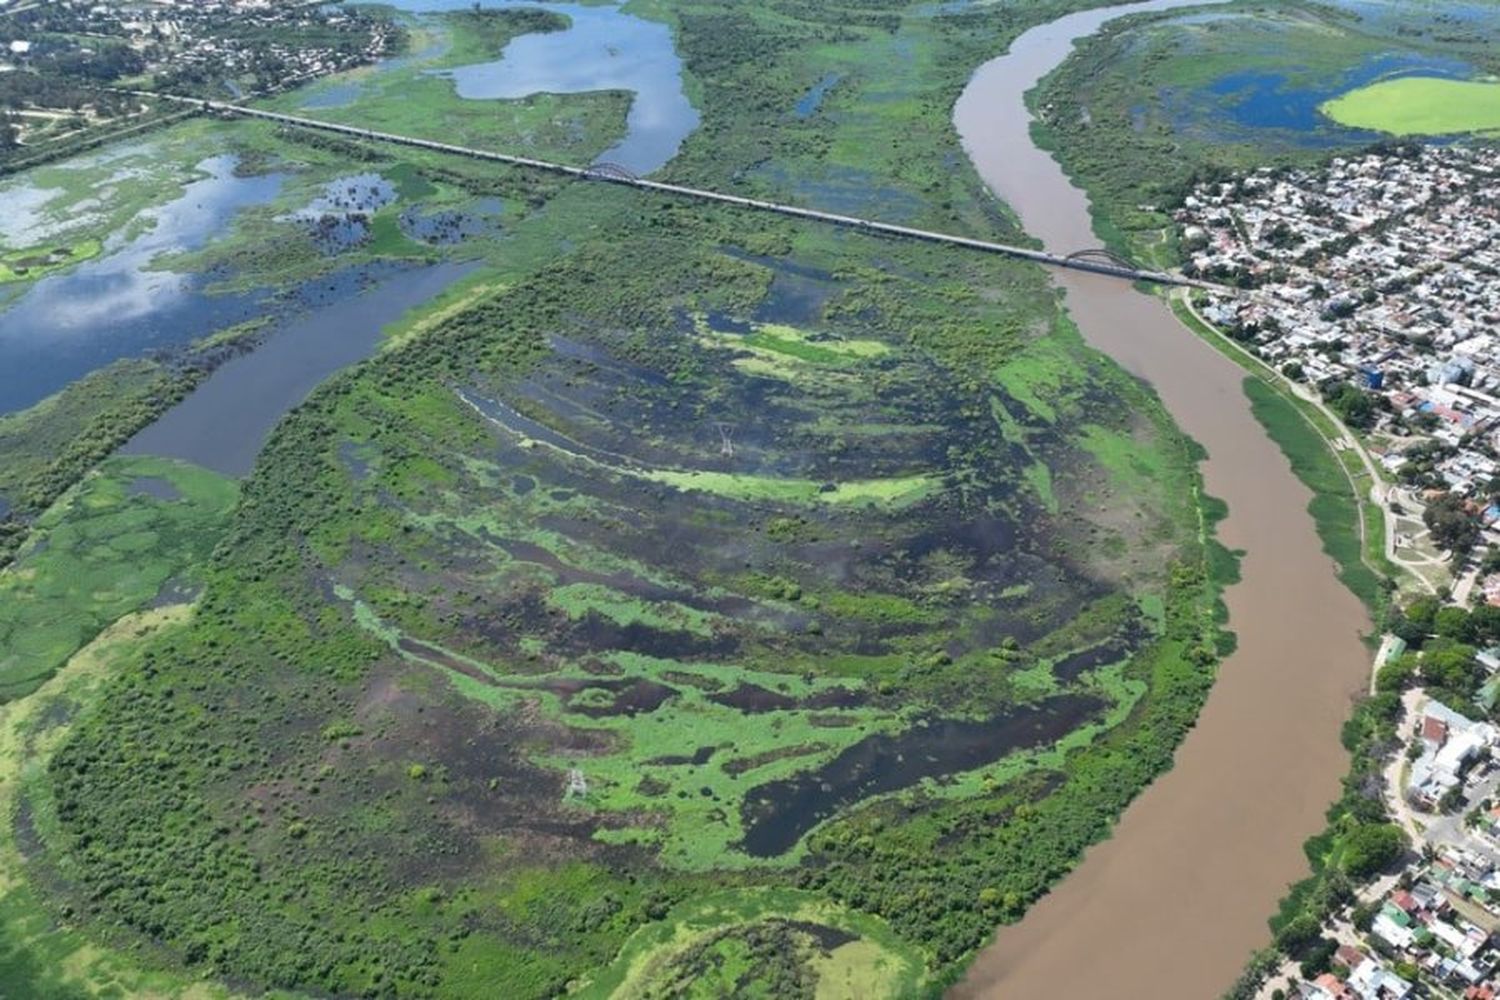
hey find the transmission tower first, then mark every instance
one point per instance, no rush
(576, 784)
(726, 440)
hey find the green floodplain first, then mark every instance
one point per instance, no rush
(685, 602)
(1415, 105)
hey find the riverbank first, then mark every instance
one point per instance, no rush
(1353, 520)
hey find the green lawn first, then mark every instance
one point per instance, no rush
(1420, 105)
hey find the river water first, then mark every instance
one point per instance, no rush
(1173, 903)
(223, 423)
(603, 48)
(117, 305)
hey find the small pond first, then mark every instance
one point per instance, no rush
(809, 102)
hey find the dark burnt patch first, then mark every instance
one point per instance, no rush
(753, 698)
(739, 765)
(594, 632)
(827, 938)
(632, 697)
(699, 756)
(777, 814)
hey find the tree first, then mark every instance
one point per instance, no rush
(1451, 665)
(1395, 673)
(1452, 623)
(1452, 527)
(1354, 407)
(1423, 612)
(1369, 848)
(1299, 934)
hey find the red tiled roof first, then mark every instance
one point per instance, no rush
(1434, 730)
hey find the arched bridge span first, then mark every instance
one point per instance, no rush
(606, 171)
(1100, 255)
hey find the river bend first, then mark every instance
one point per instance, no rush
(1172, 904)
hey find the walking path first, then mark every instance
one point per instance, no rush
(1380, 494)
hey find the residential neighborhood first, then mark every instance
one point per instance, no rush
(1373, 280)
(59, 60)
(1427, 925)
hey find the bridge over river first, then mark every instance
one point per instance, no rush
(1092, 260)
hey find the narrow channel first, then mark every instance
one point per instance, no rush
(1172, 904)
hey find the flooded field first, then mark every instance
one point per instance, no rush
(672, 518)
(1273, 102)
(115, 306)
(1216, 840)
(779, 813)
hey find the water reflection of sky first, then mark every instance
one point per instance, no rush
(809, 102)
(223, 424)
(603, 49)
(24, 223)
(114, 306)
(1270, 102)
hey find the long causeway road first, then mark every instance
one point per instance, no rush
(1094, 264)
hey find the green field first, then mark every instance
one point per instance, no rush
(700, 950)
(1420, 105)
(38, 262)
(106, 549)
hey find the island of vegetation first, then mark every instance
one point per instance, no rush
(1420, 105)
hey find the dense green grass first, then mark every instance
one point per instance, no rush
(103, 551)
(31, 263)
(1418, 105)
(481, 35)
(42, 958)
(48, 447)
(1335, 506)
(875, 964)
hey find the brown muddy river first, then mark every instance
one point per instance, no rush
(1173, 903)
